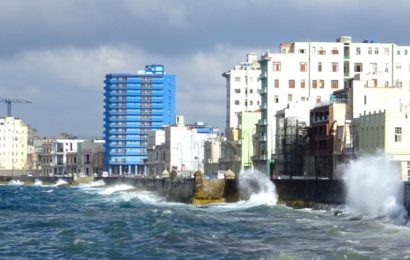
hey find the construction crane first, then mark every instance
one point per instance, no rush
(8, 101)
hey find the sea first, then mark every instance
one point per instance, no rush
(95, 221)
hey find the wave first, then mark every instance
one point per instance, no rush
(16, 183)
(60, 182)
(94, 184)
(116, 188)
(38, 182)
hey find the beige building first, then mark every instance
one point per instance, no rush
(386, 132)
(13, 144)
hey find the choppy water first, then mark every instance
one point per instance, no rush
(119, 223)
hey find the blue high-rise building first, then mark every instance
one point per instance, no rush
(134, 105)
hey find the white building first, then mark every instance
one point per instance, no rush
(54, 156)
(13, 143)
(242, 90)
(313, 70)
(182, 150)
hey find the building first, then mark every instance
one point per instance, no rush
(324, 122)
(291, 141)
(313, 70)
(90, 157)
(59, 157)
(134, 105)
(247, 128)
(13, 144)
(212, 153)
(182, 150)
(386, 132)
(242, 90)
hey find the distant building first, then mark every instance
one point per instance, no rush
(242, 90)
(13, 144)
(90, 156)
(134, 105)
(59, 156)
(212, 153)
(182, 149)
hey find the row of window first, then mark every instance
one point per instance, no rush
(239, 79)
(319, 83)
(237, 102)
(290, 98)
(238, 91)
(334, 66)
(386, 51)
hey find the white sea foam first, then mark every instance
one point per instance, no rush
(94, 184)
(374, 188)
(116, 188)
(258, 187)
(60, 182)
(16, 183)
(38, 182)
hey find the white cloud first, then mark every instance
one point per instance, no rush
(69, 81)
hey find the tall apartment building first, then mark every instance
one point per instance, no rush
(13, 143)
(242, 90)
(135, 104)
(304, 71)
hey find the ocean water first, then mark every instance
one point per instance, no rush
(99, 222)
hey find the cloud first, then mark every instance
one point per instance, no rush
(66, 85)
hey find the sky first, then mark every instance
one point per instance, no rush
(57, 53)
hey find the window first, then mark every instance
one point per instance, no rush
(237, 102)
(370, 51)
(319, 66)
(321, 83)
(237, 79)
(313, 50)
(318, 99)
(302, 51)
(314, 83)
(335, 66)
(302, 66)
(399, 84)
(398, 52)
(276, 83)
(302, 83)
(276, 66)
(276, 99)
(373, 67)
(290, 97)
(237, 91)
(322, 52)
(386, 51)
(291, 83)
(335, 84)
(365, 99)
(406, 52)
(358, 67)
(376, 51)
(251, 102)
(302, 98)
(335, 51)
(251, 91)
(397, 134)
(398, 66)
(386, 67)
(358, 51)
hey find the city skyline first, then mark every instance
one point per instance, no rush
(56, 53)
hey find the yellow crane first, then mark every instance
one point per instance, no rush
(8, 101)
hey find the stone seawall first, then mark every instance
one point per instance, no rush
(179, 190)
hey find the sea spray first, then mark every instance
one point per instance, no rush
(257, 187)
(38, 182)
(16, 183)
(60, 182)
(374, 188)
